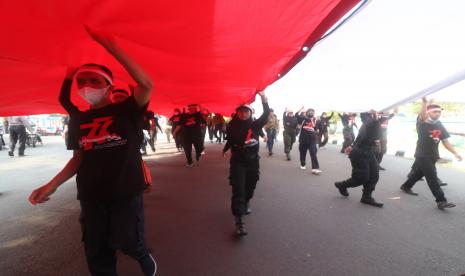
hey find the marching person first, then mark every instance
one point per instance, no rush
(150, 125)
(362, 157)
(18, 126)
(348, 123)
(243, 140)
(384, 122)
(290, 131)
(271, 129)
(322, 125)
(110, 178)
(174, 121)
(430, 132)
(191, 127)
(218, 127)
(307, 140)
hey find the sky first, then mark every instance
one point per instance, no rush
(388, 51)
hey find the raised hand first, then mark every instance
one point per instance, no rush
(100, 37)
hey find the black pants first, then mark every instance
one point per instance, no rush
(365, 170)
(210, 133)
(289, 140)
(426, 167)
(325, 138)
(153, 138)
(177, 138)
(204, 133)
(18, 133)
(382, 149)
(2, 142)
(243, 178)
(312, 148)
(349, 137)
(218, 132)
(111, 226)
(190, 140)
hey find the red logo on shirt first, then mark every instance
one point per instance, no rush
(436, 135)
(310, 125)
(190, 121)
(98, 133)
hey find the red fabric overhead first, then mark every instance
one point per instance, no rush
(215, 53)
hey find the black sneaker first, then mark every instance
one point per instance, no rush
(10, 153)
(371, 201)
(240, 229)
(270, 153)
(445, 204)
(342, 189)
(288, 156)
(381, 168)
(408, 191)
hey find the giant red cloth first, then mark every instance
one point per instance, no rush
(215, 53)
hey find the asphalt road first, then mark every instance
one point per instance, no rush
(300, 225)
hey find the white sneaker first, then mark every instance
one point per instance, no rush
(317, 171)
(303, 167)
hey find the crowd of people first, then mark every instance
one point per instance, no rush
(109, 139)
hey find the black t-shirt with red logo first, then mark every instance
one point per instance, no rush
(429, 136)
(308, 130)
(242, 137)
(109, 138)
(192, 124)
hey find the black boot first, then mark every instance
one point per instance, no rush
(342, 188)
(240, 229)
(288, 156)
(369, 200)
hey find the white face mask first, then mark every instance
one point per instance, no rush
(431, 121)
(93, 95)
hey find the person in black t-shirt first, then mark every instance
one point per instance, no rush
(191, 126)
(290, 124)
(384, 122)
(206, 115)
(322, 125)
(363, 160)
(242, 139)
(110, 178)
(430, 133)
(307, 140)
(150, 124)
(174, 121)
(348, 123)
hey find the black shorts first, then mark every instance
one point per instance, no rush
(115, 225)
